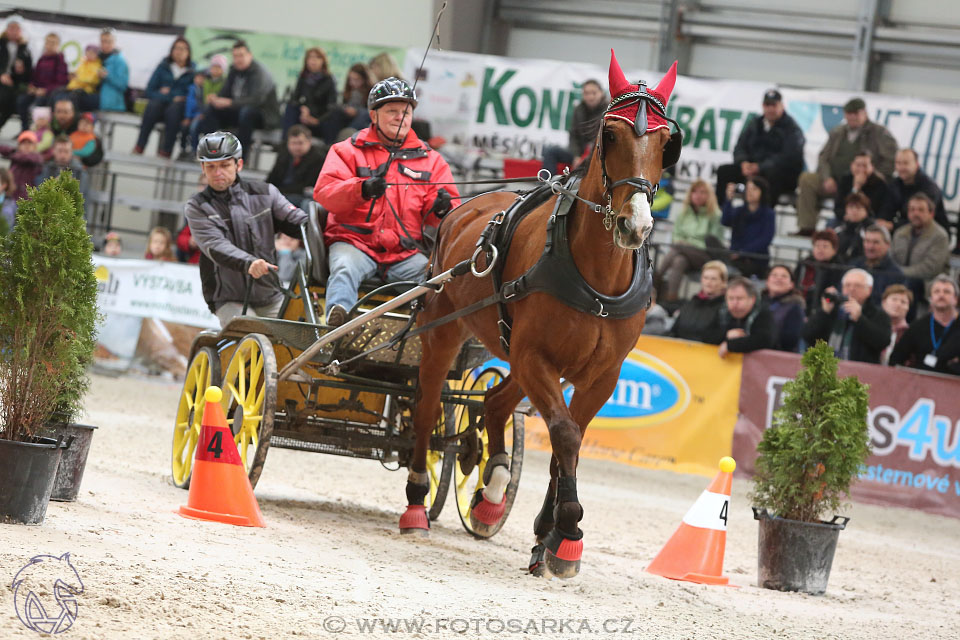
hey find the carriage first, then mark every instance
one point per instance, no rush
(294, 383)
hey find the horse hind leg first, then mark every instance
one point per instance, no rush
(440, 348)
(489, 503)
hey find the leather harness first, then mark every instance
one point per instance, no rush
(555, 272)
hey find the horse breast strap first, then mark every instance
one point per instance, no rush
(556, 272)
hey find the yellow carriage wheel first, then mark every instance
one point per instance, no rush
(474, 455)
(250, 400)
(204, 371)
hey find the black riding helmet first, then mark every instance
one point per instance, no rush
(219, 145)
(391, 90)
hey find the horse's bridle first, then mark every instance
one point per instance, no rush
(639, 183)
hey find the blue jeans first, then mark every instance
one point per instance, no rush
(554, 155)
(245, 119)
(168, 112)
(350, 266)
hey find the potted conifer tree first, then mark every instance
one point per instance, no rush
(47, 336)
(808, 459)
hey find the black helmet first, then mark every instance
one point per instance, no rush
(219, 145)
(391, 90)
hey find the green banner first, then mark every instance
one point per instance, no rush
(283, 54)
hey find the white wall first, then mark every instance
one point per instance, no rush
(395, 23)
(138, 10)
(719, 61)
(632, 53)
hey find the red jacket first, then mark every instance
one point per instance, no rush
(351, 162)
(183, 243)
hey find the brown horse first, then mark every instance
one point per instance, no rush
(550, 340)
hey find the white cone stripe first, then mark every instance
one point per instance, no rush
(709, 511)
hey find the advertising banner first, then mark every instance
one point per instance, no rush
(152, 289)
(514, 106)
(142, 45)
(283, 54)
(673, 408)
(914, 422)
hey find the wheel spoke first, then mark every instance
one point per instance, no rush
(258, 402)
(256, 367)
(242, 378)
(233, 390)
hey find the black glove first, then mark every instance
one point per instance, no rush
(373, 187)
(442, 204)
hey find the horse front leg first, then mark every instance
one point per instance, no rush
(545, 521)
(489, 504)
(560, 542)
(563, 544)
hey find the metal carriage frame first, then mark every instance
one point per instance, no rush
(294, 383)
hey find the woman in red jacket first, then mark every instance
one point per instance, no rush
(376, 226)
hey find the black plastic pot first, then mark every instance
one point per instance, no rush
(27, 472)
(794, 555)
(73, 460)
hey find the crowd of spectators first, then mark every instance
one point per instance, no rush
(874, 285)
(184, 99)
(874, 271)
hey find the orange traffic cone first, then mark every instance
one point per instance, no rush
(219, 489)
(695, 551)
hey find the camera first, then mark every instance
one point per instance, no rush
(836, 298)
(741, 188)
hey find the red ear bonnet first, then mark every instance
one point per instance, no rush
(619, 86)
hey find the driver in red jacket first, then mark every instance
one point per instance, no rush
(376, 188)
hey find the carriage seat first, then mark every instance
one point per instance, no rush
(317, 266)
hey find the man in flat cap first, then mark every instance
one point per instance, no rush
(855, 135)
(771, 146)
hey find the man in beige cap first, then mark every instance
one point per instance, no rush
(846, 140)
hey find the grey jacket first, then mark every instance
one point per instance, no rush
(256, 211)
(930, 254)
(253, 87)
(873, 137)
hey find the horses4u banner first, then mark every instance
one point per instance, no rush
(914, 424)
(674, 407)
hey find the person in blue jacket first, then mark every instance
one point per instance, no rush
(167, 92)
(114, 76)
(752, 223)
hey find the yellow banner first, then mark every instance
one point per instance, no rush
(674, 407)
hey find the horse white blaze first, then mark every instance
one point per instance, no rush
(499, 479)
(638, 209)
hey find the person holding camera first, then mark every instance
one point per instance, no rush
(753, 224)
(850, 322)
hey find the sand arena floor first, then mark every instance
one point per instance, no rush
(332, 563)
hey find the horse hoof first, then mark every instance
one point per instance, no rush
(561, 568)
(562, 553)
(414, 521)
(485, 516)
(536, 567)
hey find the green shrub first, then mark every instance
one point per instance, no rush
(49, 313)
(817, 444)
